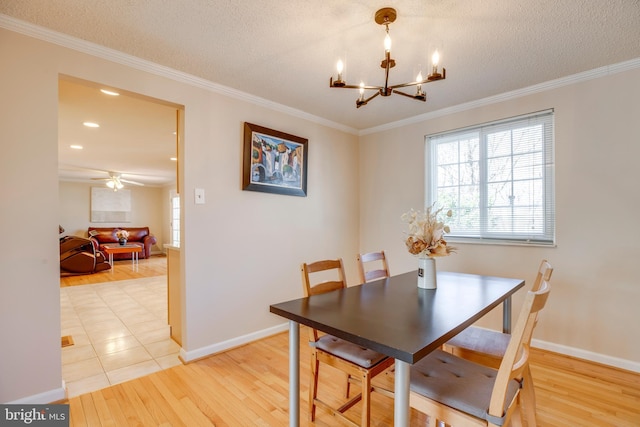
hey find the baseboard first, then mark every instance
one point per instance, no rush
(190, 356)
(628, 365)
(579, 353)
(55, 395)
(193, 355)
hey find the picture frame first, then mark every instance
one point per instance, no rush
(274, 162)
(110, 206)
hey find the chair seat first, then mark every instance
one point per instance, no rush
(486, 341)
(458, 383)
(348, 351)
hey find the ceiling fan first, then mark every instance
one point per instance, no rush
(116, 182)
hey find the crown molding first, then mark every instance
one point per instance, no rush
(131, 61)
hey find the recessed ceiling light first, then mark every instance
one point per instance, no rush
(76, 147)
(91, 125)
(174, 159)
(109, 92)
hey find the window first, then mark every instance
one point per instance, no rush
(497, 178)
(175, 220)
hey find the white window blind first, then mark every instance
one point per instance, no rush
(497, 178)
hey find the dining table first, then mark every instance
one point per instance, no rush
(396, 318)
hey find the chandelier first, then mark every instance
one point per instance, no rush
(386, 16)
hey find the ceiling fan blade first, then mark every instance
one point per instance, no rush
(132, 182)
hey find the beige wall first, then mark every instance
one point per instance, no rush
(147, 210)
(241, 250)
(30, 356)
(592, 311)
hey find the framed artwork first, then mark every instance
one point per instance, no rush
(274, 162)
(110, 206)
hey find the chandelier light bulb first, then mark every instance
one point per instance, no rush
(361, 90)
(387, 43)
(435, 59)
(419, 86)
(340, 67)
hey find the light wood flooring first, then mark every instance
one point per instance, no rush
(156, 265)
(248, 386)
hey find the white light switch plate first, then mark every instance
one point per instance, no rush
(199, 195)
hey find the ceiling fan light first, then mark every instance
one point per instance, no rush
(111, 184)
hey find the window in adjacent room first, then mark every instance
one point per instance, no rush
(497, 178)
(175, 220)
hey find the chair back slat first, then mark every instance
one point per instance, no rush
(330, 272)
(516, 357)
(380, 269)
(544, 273)
(324, 287)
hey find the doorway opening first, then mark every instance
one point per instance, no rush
(117, 319)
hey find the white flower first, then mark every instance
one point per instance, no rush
(426, 233)
(122, 234)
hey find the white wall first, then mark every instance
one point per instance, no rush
(242, 250)
(592, 311)
(147, 210)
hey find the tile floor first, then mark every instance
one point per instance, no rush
(119, 330)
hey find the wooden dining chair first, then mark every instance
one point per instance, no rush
(463, 393)
(359, 364)
(488, 347)
(378, 266)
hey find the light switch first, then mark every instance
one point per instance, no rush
(199, 192)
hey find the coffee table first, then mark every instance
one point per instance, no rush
(117, 248)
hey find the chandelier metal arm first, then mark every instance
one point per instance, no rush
(346, 86)
(420, 96)
(360, 101)
(429, 79)
(387, 65)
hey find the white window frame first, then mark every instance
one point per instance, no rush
(174, 214)
(542, 214)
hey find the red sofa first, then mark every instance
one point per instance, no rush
(137, 235)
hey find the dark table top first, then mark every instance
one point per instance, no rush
(395, 317)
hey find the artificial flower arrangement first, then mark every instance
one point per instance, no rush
(122, 234)
(425, 237)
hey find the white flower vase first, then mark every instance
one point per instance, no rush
(426, 273)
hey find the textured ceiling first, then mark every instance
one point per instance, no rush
(285, 52)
